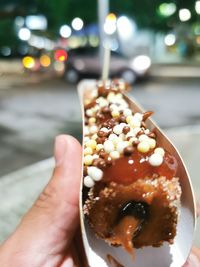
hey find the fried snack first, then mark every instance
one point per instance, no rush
(131, 192)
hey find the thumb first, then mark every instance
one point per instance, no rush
(60, 198)
(194, 258)
(51, 222)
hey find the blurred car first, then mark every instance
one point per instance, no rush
(84, 62)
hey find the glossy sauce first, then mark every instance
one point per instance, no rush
(127, 170)
(124, 231)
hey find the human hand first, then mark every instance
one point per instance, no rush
(44, 237)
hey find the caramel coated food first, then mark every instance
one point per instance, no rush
(131, 192)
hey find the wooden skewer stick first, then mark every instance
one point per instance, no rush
(106, 64)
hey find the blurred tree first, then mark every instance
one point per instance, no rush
(7, 34)
(63, 11)
(59, 12)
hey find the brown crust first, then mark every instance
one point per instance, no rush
(163, 196)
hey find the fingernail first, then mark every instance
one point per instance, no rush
(60, 149)
(193, 261)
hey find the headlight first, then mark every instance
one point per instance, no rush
(141, 63)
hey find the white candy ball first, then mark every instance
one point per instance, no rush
(160, 150)
(89, 112)
(114, 138)
(86, 130)
(103, 103)
(121, 146)
(93, 129)
(143, 137)
(108, 146)
(95, 173)
(155, 159)
(152, 143)
(143, 147)
(88, 151)
(135, 123)
(88, 181)
(86, 138)
(88, 160)
(114, 154)
(118, 129)
(104, 129)
(113, 107)
(138, 116)
(127, 112)
(136, 130)
(99, 147)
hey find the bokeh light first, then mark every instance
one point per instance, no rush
(65, 31)
(197, 7)
(110, 25)
(24, 34)
(141, 63)
(77, 24)
(61, 55)
(125, 27)
(198, 40)
(170, 39)
(28, 62)
(6, 51)
(59, 67)
(184, 14)
(167, 9)
(19, 21)
(45, 61)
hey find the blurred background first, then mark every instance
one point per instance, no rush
(47, 47)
